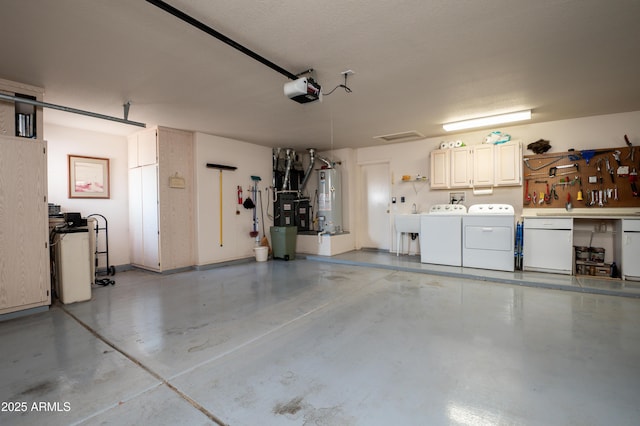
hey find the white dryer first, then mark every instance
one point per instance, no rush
(488, 237)
(441, 234)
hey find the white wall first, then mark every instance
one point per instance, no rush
(412, 158)
(250, 160)
(63, 141)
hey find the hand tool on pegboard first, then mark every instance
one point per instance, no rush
(633, 178)
(631, 149)
(527, 196)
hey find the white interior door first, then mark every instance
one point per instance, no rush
(375, 226)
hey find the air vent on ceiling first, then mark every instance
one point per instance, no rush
(402, 136)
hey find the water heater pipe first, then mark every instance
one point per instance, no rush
(290, 153)
(312, 160)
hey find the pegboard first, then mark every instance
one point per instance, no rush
(559, 174)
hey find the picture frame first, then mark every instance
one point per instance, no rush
(88, 177)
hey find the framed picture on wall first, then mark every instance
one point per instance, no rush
(88, 177)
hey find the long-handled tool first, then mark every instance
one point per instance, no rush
(264, 241)
(221, 168)
(255, 233)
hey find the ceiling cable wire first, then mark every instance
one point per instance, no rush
(344, 86)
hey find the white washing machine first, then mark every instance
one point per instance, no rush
(488, 237)
(441, 234)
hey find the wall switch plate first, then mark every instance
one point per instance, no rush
(393, 200)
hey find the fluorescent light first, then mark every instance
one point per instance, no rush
(488, 121)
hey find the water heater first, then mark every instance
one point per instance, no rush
(329, 201)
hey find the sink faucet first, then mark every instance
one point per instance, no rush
(414, 208)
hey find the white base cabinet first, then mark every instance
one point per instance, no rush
(548, 245)
(630, 264)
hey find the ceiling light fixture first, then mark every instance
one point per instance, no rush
(488, 121)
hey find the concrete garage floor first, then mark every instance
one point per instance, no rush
(314, 343)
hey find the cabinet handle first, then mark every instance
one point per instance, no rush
(487, 229)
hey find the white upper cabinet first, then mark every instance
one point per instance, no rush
(508, 162)
(143, 148)
(440, 169)
(482, 165)
(477, 166)
(461, 167)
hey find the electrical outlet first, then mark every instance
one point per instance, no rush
(456, 197)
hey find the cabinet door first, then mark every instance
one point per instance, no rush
(150, 223)
(630, 249)
(132, 159)
(143, 148)
(508, 158)
(548, 250)
(147, 147)
(7, 116)
(483, 165)
(143, 217)
(135, 216)
(461, 168)
(24, 249)
(440, 168)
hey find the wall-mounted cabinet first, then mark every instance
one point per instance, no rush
(25, 281)
(477, 166)
(143, 149)
(483, 165)
(17, 118)
(461, 168)
(440, 168)
(161, 215)
(508, 164)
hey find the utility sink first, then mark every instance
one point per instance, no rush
(409, 223)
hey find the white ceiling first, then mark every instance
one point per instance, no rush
(417, 63)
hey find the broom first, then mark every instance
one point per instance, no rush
(264, 241)
(255, 233)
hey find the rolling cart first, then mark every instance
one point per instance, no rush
(102, 225)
